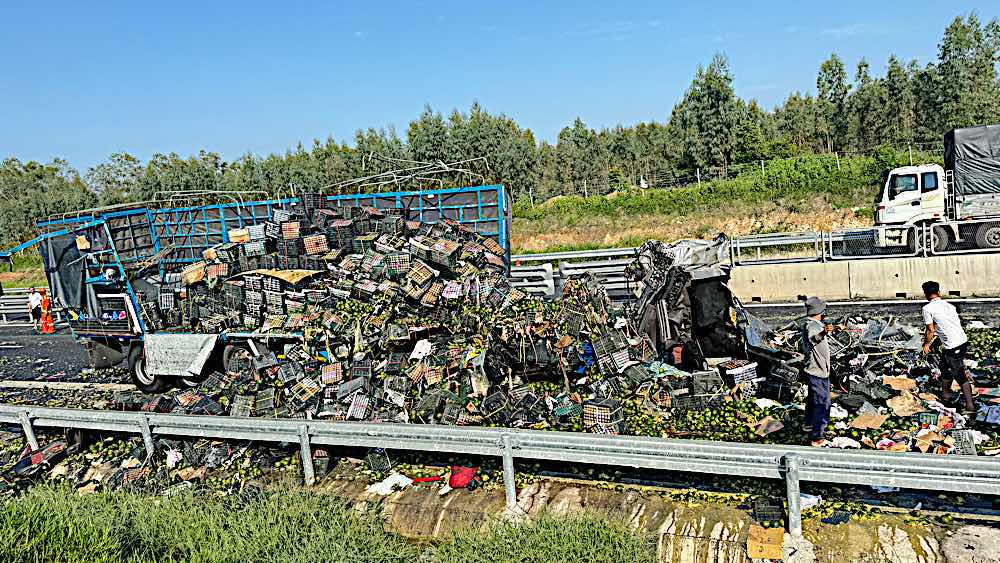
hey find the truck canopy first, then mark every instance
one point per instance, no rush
(973, 154)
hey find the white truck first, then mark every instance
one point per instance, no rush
(956, 206)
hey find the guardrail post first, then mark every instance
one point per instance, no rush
(508, 473)
(792, 464)
(29, 432)
(305, 451)
(147, 437)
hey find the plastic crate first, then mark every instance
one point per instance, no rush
(706, 382)
(257, 232)
(603, 414)
(348, 388)
(392, 225)
(767, 510)
(304, 390)
(735, 372)
(432, 295)
(331, 374)
(316, 244)
(272, 230)
(361, 407)
(965, 443)
(378, 460)
(281, 215)
(241, 405)
(291, 230)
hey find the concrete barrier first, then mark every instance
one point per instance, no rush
(960, 275)
(786, 282)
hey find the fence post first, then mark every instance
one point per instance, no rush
(585, 194)
(761, 167)
(29, 432)
(147, 437)
(697, 172)
(792, 463)
(837, 155)
(508, 474)
(909, 148)
(305, 451)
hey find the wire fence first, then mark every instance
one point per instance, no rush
(609, 180)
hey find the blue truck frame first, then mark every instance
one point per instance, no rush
(139, 232)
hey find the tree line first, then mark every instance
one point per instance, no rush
(711, 132)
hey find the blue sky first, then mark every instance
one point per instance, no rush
(81, 80)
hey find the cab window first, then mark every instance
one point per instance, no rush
(928, 182)
(902, 183)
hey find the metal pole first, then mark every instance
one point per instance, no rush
(837, 154)
(698, 174)
(910, 149)
(508, 474)
(792, 463)
(147, 437)
(761, 167)
(29, 432)
(305, 451)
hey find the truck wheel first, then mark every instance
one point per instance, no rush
(940, 239)
(988, 236)
(143, 380)
(237, 359)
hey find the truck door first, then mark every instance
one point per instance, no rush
(932, 195)
(902, 198)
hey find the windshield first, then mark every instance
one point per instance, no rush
(902, 183)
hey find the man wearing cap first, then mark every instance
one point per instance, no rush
(816, 366)
(942, 321)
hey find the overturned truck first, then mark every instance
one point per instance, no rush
(394, 307)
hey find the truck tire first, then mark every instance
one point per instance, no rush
(143, 380)
(940, 240)
(988, 235)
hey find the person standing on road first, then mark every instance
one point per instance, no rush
(35, 307)
(816, 349)
(943, 322)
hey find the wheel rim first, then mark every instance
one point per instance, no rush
(141, 374)
(993, 236)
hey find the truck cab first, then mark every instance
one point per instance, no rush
(911, 195)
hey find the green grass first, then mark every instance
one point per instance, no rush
(53, 523)
(548, 538)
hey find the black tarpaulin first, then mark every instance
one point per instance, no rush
(64, 270)
(973, 154)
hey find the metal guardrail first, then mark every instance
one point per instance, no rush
(777, 248)
(14, 308)
(791, 463)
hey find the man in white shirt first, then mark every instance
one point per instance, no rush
(35, 307)
(942, 321)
